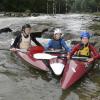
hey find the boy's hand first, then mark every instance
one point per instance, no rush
(90, 59)
(68, 56)
(13, 49)
(52, 49)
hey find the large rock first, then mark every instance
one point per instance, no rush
(6, 29)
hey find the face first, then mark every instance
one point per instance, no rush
(85, 40)
(57, 36)
(28, 31)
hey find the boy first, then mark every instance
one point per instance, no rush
(57, 43)
(85, 49)
(23, 40)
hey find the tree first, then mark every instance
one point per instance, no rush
(97, 4)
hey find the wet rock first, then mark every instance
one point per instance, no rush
(36, 33)
(97, 18)
(7, 29)
(39, 28)
(39, 34)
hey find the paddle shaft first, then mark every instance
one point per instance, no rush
(75, 58)
(48, 56)
(21, 50)
(5, 49)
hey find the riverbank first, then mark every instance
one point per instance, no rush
(18, 14)
(28, 13)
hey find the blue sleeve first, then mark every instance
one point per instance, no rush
(49, 44)
(65, 46)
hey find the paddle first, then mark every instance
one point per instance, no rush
(20, 50)
(48, 56)
(56, 51)
(57, 67)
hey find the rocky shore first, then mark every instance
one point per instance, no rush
(18, 14)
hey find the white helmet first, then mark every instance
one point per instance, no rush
(57, 31)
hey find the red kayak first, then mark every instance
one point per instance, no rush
(57, 63)
(73, 72)
(28, 57)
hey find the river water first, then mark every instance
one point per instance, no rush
(19, 81)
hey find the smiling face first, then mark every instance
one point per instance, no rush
(85, 40)
(28, 31)
(57, 36)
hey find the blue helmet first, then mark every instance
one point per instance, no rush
(84, 34)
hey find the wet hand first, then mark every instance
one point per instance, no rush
(68, 56)
(52, 49)
(13, 49)
(90, 59)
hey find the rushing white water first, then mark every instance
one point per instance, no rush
(69, 23)
(20, 82)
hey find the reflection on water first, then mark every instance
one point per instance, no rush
(19, 81)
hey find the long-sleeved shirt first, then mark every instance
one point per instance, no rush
(58, 44)
(98, 56)
(19, 38)
(93, 52)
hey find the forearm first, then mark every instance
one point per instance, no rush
(65, 46)
(75, 49)
(36, 42)
(96, 57)
(95, 54)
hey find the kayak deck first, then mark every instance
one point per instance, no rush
(28, 57)
(73, 72)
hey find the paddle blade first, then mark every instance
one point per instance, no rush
(57, 68)
(43, 56)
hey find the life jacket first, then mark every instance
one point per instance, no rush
(84, 50)
(25, 42)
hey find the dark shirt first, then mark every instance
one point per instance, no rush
(19, 38)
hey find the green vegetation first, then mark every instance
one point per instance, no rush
(50, 6)
(83, 5)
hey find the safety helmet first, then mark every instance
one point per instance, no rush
(85, 35)
(26, 26)
(57, 31)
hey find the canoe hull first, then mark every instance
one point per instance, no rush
(28, 57)
(73, 72)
